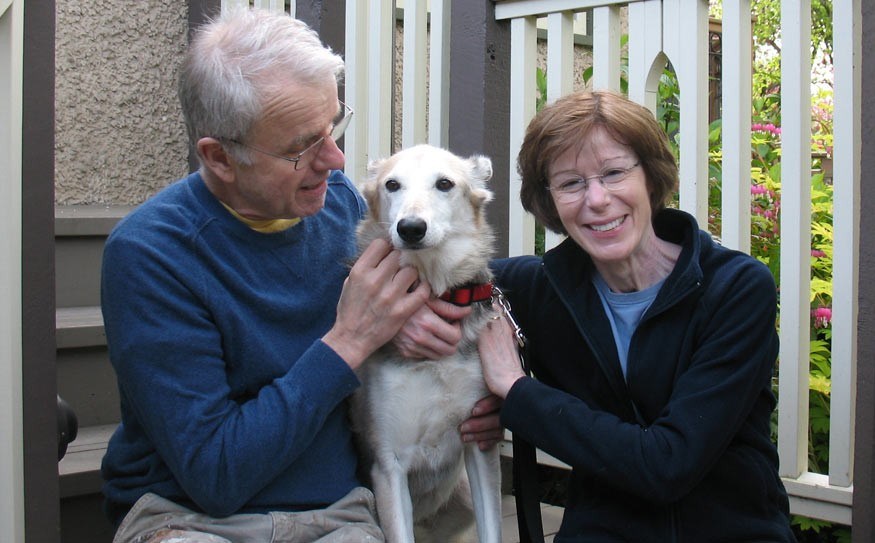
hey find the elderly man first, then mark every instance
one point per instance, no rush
(233, 320)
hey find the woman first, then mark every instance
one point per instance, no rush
(652, 346)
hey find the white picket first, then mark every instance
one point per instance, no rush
(795, 236)
(735, 127)
(847, 49)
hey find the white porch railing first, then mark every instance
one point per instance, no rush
(676, 30)
(660, 30)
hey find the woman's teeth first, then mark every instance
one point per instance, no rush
(608, 226)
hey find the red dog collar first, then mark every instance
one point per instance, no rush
(468, 294)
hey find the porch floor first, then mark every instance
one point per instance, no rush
(551, 516)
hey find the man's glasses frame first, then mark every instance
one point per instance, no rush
(336, 133)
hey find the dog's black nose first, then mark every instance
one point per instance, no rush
(412, 230)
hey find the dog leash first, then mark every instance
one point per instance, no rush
(502, 301)
(525, 463)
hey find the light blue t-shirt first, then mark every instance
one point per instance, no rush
(624, 310)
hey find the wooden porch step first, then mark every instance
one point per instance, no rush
(79, 470)
(79, 327)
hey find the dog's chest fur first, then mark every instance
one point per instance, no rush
(421, 405)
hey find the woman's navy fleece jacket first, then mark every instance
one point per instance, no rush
(681, 449)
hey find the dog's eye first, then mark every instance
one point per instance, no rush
(392, 185)
(443, 184)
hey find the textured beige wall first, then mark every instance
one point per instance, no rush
(119, 130)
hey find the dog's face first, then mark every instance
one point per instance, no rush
(425, 195)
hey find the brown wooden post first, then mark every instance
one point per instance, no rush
(479, 119)
(863, 529)
(41, 500)
(327, 18)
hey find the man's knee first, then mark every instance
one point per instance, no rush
(184, 536)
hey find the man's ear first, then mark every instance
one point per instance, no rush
(215, 158)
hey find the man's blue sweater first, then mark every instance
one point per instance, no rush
(230, 401)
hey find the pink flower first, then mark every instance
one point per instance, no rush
(816, 253)
(758, 189)
(767, 127)
(822, 317)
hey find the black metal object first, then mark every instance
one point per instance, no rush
(68, 427)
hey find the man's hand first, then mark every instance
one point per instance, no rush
(378, 297)
(484, 426)
(433, 332)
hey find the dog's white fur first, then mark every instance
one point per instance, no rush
(407, 413)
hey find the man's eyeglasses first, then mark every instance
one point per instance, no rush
(572, 189)
(337, 131)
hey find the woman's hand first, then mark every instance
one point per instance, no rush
(499, 355)
(484, 426)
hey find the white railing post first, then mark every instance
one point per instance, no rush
(795, 236)
(736, 83)
(523, 52)
(380, 39)
(646, 59)
(606, 48)
(438, 76)
(413, 96)
(273, 5)
(560, 74)
(355, 141)
(847, 49)
(685, 42)
(11, 376)
(230, 4)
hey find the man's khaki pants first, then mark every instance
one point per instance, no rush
(154, 519)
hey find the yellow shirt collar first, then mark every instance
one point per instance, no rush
(265, 226)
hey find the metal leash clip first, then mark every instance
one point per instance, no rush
(498, 296)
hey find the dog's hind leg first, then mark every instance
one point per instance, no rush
(484, 476)
(394, 506)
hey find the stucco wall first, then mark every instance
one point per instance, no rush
(119, 131)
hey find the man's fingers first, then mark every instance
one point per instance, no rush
(375, 253)
(447, 311)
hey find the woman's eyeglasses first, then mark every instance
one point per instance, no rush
(572, 189)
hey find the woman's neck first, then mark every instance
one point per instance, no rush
(652, 263)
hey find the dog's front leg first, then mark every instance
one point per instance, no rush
(484, 476)
(394, 506)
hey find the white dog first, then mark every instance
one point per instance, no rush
(430, 204)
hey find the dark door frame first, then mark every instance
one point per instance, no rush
(39, 382)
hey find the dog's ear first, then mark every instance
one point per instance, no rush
(371, 173)
(481, 196)
(481, 172)
(368, 187)
(481, 168)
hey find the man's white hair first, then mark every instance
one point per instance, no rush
(234, 63)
